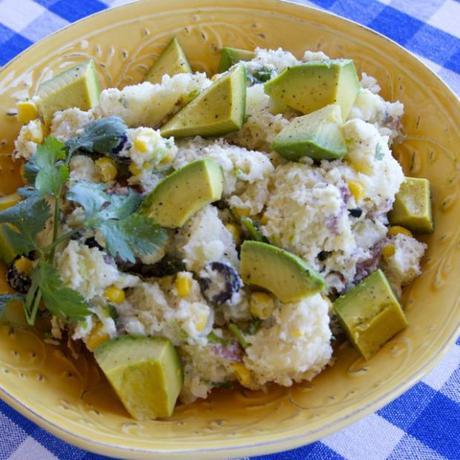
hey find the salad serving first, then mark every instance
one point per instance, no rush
(197, 231)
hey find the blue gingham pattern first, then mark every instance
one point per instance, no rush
(423, 423)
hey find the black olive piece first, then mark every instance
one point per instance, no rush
(167, 266)
(92, 243)
(220, 204)
(220, 282)
(356, 212)
(121, 144)
(323, 255)
(18, 281)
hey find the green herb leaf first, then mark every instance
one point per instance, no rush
(59, 299)
(48, 167)
(238, 334)
(28, 218)
(105, 136)
(126, 232)
(134, 235)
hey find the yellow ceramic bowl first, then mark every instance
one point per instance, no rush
(68, 396)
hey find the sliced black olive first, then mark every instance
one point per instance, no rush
(356, 212)
(18, 281)
(122, 141)
(323, 255)
(167, 266)
(92, 243)
(220, 204)
(219, 282)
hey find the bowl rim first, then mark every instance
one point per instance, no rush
(262, 447)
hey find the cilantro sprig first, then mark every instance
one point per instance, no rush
(127, 233)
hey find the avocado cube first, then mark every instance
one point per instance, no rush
(370, 314)
(171, 61)
(284, 274)
(412, 206)
(317, 135)
(183, 193)
(313, 85)
(230, 56)
(75, 87)
(218, 110)
(145, 372)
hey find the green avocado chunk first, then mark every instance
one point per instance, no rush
(412, 206)
(218, 110)
(184, 192)
(171, 61)
(284, 274)
(317, 135)
(145, 372)
(370, 314)
(7, 254)
(230, 56)
(313, 85)
(75, 87)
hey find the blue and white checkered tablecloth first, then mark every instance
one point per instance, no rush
(424, 423)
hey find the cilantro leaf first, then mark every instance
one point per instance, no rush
(134, 235)
(59, 299)
(28, 218)
(127, 233)
(106, 136)
(52, 172)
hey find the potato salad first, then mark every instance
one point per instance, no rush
(200, 231)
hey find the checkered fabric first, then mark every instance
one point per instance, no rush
(424, 423)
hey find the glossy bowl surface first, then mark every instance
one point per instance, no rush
(68, 396)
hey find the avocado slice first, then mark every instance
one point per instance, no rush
(370, 314)
(184, 192)
(284, 274)
(218, 110)
(171, 61)
(317, 135)
(313, 85)
(230, 56)
(75, 87)
(145, 372)
(412, 206)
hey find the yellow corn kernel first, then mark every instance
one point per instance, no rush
(107, 169)
(27, 111)
(168, 158)
(396, 229)
(24, 265)
(96, 337)
(114, 294)
(296, 333)
(134, 169)
(360, 166)
(202, 323)
(235, 232)
(261, 305)
(183, 285)
(241, 212)
(356, 189)
(243, 374)
(9, 200)
(264, 220)
(141, 145)
(388, 251)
